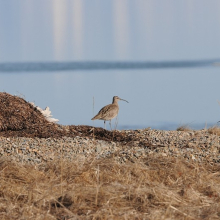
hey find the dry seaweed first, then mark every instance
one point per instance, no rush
(18, 118)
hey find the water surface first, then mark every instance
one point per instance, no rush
(157, 55)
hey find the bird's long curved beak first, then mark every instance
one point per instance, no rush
(124, 100)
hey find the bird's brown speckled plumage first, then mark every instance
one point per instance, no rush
(108, 112)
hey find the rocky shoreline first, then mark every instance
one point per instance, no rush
(27, 136)
(126, 145)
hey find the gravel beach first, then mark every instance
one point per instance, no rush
(192, 145)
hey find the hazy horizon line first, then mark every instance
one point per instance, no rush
(102, 65)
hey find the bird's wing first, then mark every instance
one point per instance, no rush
(103, 112)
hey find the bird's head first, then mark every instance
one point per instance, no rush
(116, 99)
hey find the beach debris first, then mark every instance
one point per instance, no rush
(19, 118)
(46, 113)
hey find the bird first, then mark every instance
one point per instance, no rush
(108, 112)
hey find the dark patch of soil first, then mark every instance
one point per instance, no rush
(20, 118)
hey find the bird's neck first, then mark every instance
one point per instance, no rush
(115, 102)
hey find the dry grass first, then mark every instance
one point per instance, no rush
(184, 128)
(214, 130)
(154, 188)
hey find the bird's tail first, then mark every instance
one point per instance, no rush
(95, 117)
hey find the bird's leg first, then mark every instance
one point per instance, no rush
(110, 124)
(104, 124)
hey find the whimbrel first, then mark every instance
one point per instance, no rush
(108, 112)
